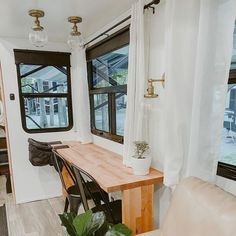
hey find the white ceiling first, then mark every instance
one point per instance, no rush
(15, 21)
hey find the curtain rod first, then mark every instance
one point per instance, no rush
(149, 5)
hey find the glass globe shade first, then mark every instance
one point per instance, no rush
(38, 38)
(75, 41)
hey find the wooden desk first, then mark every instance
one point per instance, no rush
(107, 168)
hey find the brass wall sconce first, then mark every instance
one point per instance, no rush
(150, 90)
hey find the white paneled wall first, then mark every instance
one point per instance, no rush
(30, 183)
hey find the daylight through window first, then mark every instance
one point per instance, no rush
(44, 95)
(107, 76)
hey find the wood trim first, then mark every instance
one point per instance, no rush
(226, 170)
(44, 95)
(112, 89)
(47, 58)
(232, 76)
(3, 142)
(111, 43)
(106, 135)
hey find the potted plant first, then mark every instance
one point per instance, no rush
(90, 224)
(141, 161)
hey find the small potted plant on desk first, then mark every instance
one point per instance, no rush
(141, 161)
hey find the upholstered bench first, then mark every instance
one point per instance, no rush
(199, 208)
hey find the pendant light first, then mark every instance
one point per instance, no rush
(75, 39)
(37, 36)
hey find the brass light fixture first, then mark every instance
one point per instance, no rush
(38, 36)
(150, 90)
(75, 38)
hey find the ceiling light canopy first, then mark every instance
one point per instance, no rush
(75, 39)
(37, 36)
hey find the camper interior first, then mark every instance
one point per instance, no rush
(118, 118)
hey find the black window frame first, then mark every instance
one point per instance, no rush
(223, 169)
(114, 42)
(44, 59)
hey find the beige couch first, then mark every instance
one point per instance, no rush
(199, 209)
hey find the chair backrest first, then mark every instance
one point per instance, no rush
(60, 165)
(40, 153)
(89, 186)
(200, 208)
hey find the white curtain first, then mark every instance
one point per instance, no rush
(199, 40)
(136, 83)
(81, 107)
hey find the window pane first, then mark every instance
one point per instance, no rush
(233, 64)
(228, 143)
(39, 79)
(42, 113)
(121, 100)
(111, 69)
(101, 112)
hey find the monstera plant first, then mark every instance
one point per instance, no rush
(90, 224)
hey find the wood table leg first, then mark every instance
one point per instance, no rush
(137, 209)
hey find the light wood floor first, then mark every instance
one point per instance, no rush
(38, 218)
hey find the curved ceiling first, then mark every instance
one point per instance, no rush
(15, 21)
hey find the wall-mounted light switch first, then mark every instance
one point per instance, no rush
(12, 96)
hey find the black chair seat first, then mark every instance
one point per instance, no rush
(73, 190)
(116, 209)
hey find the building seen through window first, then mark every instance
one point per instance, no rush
(227, 159)
(44, 95)
(107, 77)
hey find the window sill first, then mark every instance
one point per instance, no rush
(226, 171)
(112, 137)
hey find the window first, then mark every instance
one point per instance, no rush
(107, 64)
(227, 160)
(45, 90)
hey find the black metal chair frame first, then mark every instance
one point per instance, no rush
(74, 200)
(83, 188)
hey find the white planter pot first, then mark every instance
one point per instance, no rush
(141, 166)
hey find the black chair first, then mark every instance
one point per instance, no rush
(73, 198)
(112, 209)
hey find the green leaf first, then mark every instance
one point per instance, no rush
(119, 230)
(96, 222)
(67, 221)
(81, 221)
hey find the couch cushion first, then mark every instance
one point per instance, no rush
(200, 209)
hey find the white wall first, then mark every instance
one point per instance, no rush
(30, 183)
